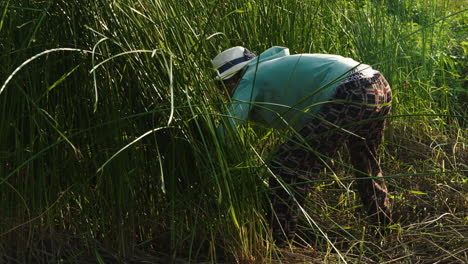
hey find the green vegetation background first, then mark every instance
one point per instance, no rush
(108, 149)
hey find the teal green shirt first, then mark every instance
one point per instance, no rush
(284, 91)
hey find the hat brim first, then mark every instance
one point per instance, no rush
(231, 71)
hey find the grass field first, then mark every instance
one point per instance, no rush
(109, 151)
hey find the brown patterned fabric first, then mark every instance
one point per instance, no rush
(356, 116)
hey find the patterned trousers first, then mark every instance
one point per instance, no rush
(356, 116)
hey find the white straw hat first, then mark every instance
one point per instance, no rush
(230, 61)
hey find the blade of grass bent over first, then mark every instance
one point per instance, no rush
(94, 73)
(33, 58)
(128, 145)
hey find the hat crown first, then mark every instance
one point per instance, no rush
(232, 60)
(228, 55)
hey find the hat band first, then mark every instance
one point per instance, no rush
(230, 64)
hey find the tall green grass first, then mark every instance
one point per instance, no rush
(108, 143)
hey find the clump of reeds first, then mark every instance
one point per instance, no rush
(108, 142)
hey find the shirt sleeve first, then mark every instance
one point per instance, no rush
(242, 103)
